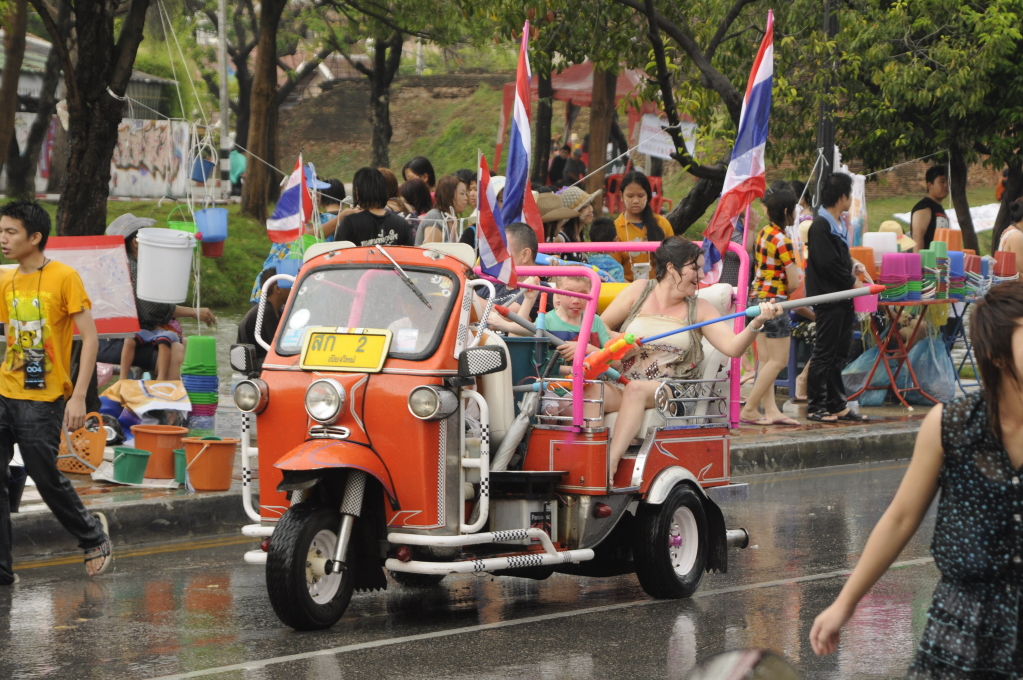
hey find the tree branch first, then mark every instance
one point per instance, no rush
(715, 80)
(383, 18)
(304, 70)
(128, 45)
(726, 23)
(59, 44)
(681, 154)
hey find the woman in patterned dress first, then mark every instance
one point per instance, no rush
(972, 450)
(664, 303)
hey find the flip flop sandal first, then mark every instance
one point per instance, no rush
(819, 416)
(748, 421)
(788, 422)
(854, 417)
(104, 550)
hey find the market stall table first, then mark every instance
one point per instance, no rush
(958, 332)
(899, 353)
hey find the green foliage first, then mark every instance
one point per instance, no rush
(463, 58)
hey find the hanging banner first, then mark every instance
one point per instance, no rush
(654, 141)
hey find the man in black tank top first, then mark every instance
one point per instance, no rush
(928, 214)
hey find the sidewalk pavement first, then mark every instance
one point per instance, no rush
(140, 516)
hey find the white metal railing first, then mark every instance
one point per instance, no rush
(482, 463)
(692, 402)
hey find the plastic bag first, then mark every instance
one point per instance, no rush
(854, 376)
(934, 372)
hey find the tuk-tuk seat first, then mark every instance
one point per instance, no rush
(462, 252)
(496, 389)
(318, 249)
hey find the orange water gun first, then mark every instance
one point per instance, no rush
(600, 361)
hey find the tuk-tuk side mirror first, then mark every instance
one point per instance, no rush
(243, 360)
(484, 360)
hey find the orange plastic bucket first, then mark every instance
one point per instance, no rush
(160, 441)
(209, 462)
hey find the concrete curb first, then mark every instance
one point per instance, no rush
(136, 522)
(184, 516)
(824, 448)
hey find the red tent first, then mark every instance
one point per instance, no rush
(575, 85)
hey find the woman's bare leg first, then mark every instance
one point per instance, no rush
(774, 355)
(163, 357)
(177, 357)
(638, 396)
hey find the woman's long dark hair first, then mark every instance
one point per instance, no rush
(653, 229)
(1015, 215)
(991, 329)
(421, 165)
(677, 251)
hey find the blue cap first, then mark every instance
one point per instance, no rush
(312, 183)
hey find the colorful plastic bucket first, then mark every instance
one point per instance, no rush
(160, 441)
(130, 465)
(210, 462)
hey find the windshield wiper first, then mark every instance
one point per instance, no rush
(406, 279)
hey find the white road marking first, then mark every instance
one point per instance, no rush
(375, 644)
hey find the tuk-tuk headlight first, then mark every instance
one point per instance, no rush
(325, 401)
(251, 396)
(428, 402)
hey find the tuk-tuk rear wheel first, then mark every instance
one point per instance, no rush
(300, 598)
(670, 545)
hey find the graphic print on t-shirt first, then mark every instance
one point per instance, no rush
(27, 332)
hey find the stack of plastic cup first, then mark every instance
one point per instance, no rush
(953, 238)
(929, 279)
(1005, 267)
(940, 249)
(914, 275)
(865, 256)
(974, 276)
(199, 376)
(893, 277)
(956, 274)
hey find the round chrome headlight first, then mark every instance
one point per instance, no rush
(251, 396)
(325, 401)
(428, 402)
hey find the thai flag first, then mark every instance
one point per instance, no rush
(519, 145)
(495, 260)
(744, 180)
(293, 209)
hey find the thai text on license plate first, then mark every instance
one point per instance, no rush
(358, 349)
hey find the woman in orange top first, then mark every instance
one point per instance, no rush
(638, 222)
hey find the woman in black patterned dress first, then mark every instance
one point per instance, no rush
(972, 450)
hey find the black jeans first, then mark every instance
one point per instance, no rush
(825, 390)
(36, 427)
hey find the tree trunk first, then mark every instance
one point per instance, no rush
(572, 112)
(244, 111)
(1013, 190)
(58, 161)
(602, 107)
(544, 115)
(261, 182)
(22, 164)
(695, 204)
(14, 49)
(957, 188)
(102, 65)
(386, 60)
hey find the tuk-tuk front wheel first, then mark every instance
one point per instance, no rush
(670, 546)
(302, 598)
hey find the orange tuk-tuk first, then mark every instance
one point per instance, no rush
(379, 404)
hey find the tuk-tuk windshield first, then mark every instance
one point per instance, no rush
(372, 297)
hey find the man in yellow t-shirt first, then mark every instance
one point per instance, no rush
(41, 302)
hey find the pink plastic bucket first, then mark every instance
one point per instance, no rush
(865, 303)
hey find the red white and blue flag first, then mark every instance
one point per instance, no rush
(495, 260)
(293, 209)
(519, 145)
(744, 180)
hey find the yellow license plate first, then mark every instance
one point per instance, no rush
(361, 350)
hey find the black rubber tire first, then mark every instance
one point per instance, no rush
(415, 581)
(650, 552)
(286, 582)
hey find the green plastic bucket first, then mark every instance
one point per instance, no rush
(179, 466)
(200, 351)
(180, 225)
(130, 465)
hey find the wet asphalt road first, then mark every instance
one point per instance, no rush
(196, 610)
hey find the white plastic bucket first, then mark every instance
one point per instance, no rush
(165, 265)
